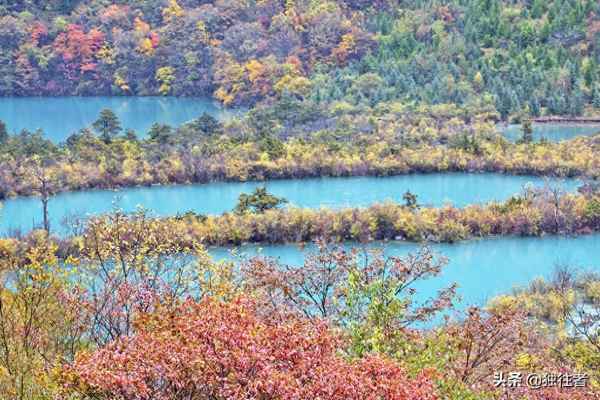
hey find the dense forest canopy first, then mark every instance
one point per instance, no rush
(534, 57)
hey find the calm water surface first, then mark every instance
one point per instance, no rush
(551, 132)
(459, 189)
(59, 117)
(483, 269)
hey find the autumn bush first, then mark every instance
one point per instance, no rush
(41, 322)
(117, 314)
(209, 349)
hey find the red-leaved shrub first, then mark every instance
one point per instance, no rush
(215, 350)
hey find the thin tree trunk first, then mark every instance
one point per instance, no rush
(45, 212)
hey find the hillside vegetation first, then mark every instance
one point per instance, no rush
(518, 56)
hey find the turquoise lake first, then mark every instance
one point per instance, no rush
(459, 189)
(482, 269)
(59, 117)
(550, 131)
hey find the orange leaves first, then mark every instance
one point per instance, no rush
(148, 39)
(78, 49)
(140, 26)
(346, 46)
(88, 67)
(94, 40)
(38, 31)
(353, 45)
(230, 350)
(154, 38)
(114, 13)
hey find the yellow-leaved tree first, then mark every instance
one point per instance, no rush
(166, 77)
(41, 325)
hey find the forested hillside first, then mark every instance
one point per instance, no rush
(535, 56)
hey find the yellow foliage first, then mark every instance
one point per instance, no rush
(478, 80)
(526, 361)
(7, 248)
(146, 47)
(166, 77)
(230, 77)
(106, 54)
(38, 324)
(592, 291)
(224, 96)
(204, 34)
(121, 83)
(172, 11)
(297, 85)
(255, 70)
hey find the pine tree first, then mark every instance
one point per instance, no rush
(3, 133)
(208, 124)
(596, 96)
(576, 102)
(160, 133)
(534, 106)
(527, 129)
(107, 125)
(258, 202)
(410, 200)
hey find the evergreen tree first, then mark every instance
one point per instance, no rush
(160, 133)
(107, 125)
(596, 96)
(527, 128)
(131, 135)
(576, 102)
(410, 200)
(208, 124)
(3, 133)
(258, 202)
(534, 107)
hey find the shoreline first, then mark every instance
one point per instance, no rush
(564, 120)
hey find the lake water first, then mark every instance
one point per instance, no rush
(551, 131)
(459, 189)
(59, 117)
(483, 269)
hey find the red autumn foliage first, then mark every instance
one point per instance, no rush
(78, 48)
(38, 31)
(154, 38)
(216, 350)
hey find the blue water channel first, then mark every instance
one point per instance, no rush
(459, 189)
(552, 132)
(483, 269)
(59, 117)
